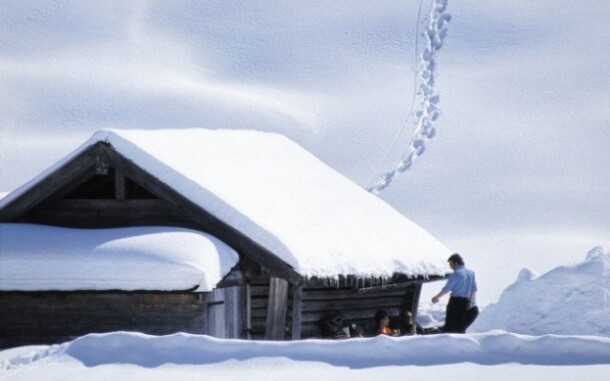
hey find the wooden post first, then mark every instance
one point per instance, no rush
(246, 311)
(216, 313)
(232, 312)
(101, 166)
(276, 310)
(203, 299)
(297, 306)
(416, 295)
(120, 192)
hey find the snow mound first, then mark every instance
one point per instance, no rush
(490, 348)
(36, 257)
(569, 300)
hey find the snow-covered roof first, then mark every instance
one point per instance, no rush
(36, 257)
(282, 197)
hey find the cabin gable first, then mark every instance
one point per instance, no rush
(127, 196)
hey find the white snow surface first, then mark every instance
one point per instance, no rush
(36, 257)
(281, 196)
(134, 356)
(569, 300)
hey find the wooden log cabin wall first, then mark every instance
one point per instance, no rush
(101, 189)
(356, 306)
(52, 317)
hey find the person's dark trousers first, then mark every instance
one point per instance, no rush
(456, 315)
(471, 316)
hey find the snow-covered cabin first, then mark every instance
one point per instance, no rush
(231, 233)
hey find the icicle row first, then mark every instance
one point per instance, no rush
(428, 113)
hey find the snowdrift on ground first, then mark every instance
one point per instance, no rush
(569, 300)
(185, 349)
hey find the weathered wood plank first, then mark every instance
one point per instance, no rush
(216, 313)
(232, 312)
(246, 311)
(54, 314)
(120, 189)
(348, 315)
(329, 305)
(337, 294)
(276, 311)
(414, 301)
(106, 213)
(260, 303)
(260, 291)
(296, 313)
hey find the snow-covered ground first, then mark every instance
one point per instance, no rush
(515, 177)
(131, 356)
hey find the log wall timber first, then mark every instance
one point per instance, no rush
(233, 321)
(52, 317)
(120, 188)
(259, 299)
(415, 304)
(277, 308)
(296, 311)
(358, 308)
(246, 312)
(216, 313)
(106, 213)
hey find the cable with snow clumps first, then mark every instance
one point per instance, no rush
(425, 117)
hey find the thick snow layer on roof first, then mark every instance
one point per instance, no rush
(567, 300)
(283, 197)
(36, 257)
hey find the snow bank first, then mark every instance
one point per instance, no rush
(490, 348)
(281, 196)
(567, 300)
(35, 257)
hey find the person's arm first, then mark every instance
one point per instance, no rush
(448, 286)
(436, 297)
(472, 299)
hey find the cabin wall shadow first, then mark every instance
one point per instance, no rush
(52, 317)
